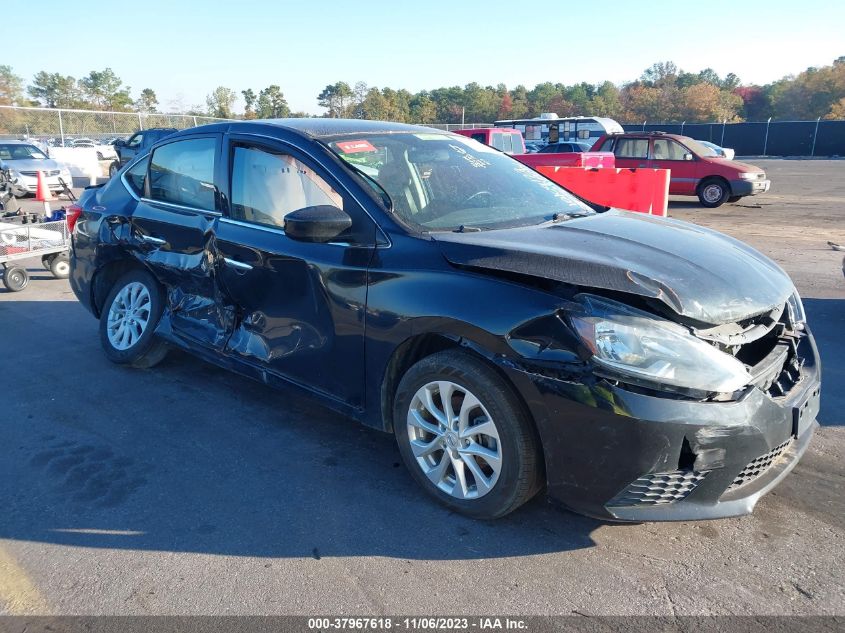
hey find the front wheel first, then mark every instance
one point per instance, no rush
(130, 315)
(15, 278)
(713, 193)
(465, 437)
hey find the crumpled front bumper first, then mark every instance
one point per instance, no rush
(625, 456)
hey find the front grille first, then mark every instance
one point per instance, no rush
(760, 465)
(52, 172)
(659, 488)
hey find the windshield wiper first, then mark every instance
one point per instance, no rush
(463, 228)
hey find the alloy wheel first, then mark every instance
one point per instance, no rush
(129, 315)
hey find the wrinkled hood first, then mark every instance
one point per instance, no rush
(32, 164)
(696, 272)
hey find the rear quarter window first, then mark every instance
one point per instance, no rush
(136, 175)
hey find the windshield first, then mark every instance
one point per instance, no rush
(442, 182)
(698, 147)
(9, 151)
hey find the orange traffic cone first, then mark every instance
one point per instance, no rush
(43, 194)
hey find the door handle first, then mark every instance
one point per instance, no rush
(152, 240)
(234, 263)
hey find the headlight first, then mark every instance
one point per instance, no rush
(752, 175)
(795, 311)
(633, 343)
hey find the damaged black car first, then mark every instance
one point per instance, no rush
(511, 337)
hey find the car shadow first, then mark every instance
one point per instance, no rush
(826, 318)
(191, 458)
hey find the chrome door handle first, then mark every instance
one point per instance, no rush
(152, 240)
(234, 263)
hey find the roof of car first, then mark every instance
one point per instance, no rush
(16, 142)
(319, 127)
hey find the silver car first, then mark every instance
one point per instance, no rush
(24, 160)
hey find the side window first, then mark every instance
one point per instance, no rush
(267, 186)
(183, 173)
(632, 148)
(497, 142)
(136, 175)
(135, 141)
(480, 138)
(518, 144)
(507, 143)
(667, 149)
(607, 146)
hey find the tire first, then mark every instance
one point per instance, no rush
(60, 266)
(15, 278)
(734, 199)
(128, 320)
(713, 192)
(46, 259)
(511, 437)
(113, 169)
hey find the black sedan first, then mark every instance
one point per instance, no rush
(510, 336)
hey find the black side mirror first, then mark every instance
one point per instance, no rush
(320, 223)
(120, 143)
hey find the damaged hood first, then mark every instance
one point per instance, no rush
(696, 272)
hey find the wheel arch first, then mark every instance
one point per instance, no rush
(711, 178)
(107, 275)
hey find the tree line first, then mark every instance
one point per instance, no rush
(662, 94)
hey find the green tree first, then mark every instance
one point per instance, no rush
(148, 101)
(249, 103)
(104, 90)
(220, 102)
(271, 103)
(336, 99)
(53, 90)
(11, 87)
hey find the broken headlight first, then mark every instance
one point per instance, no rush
(795, 311)
(639, 345)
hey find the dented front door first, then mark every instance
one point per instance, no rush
(299, 306)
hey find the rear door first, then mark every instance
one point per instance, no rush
(300, 306)
(671, 155)
(173, 227)
(631, 152)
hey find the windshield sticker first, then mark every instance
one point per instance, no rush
(431, 137)
(353, 147)
(472, 160)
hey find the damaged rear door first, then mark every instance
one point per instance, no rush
(173, 227)
(300, 306)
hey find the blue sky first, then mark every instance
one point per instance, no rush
(183, 49)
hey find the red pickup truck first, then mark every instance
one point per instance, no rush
(511, 142)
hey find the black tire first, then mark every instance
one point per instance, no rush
(734, 199)
(713, 192)
(60, 266)
(520, 477)
(46, 259)
(148, 350)
(15, 278)
(113, 169)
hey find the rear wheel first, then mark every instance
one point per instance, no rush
(130, 315)
(713, 192)
(113, 168)
(60, 266)
(15, 278)
(465, 437)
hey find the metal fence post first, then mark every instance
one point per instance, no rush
(815, 134)
(766, 140)
(644, 122)
(140, 122)
(195, 121)
(61, 129)
(722, 142)
(682, 127)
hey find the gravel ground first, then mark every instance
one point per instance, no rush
(188, 490)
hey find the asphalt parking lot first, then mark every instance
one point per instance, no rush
(189, 490)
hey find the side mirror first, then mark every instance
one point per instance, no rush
(688, 156)
(120, 143)
(320, 223)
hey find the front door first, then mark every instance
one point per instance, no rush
(671, 155)
(631, 152)
(300, 306)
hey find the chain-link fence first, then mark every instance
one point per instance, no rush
(448, 127)
(59, 125)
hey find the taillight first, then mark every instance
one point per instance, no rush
(72, 214)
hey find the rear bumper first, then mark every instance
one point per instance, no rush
(625, 456)
(749, 187)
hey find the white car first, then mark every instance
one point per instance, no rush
(24, 160)
(724, 152)
(104, 151)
